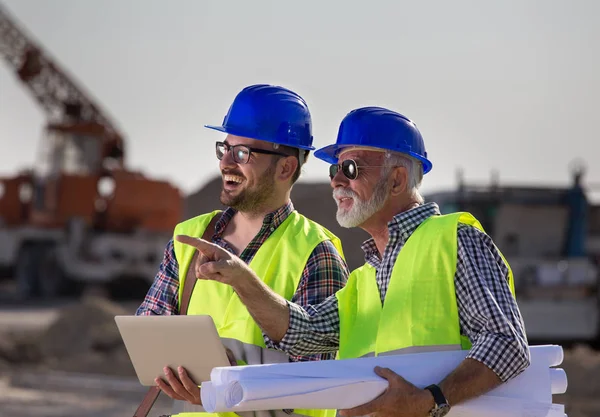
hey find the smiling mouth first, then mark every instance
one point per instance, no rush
(233, 178)
(232, 181)
(345, 202)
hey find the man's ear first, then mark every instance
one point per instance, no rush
(399, 178)
(286, 167)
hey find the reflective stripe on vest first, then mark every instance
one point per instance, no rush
(280, 262)
(419, 312)
(250, 354)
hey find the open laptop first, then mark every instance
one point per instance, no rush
(154, 342)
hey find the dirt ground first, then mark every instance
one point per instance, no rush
(68, 362)
(17, 401)
(74, 364)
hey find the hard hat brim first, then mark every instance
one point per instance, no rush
(245, 135)
(330, 154)
(219, 128)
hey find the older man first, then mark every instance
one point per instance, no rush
(430, 281)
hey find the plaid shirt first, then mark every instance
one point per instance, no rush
(325, 272)
(488, 313)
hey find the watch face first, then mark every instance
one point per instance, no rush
(440, 410)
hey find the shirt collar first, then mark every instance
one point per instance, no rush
(401, 227)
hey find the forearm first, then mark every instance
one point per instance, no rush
(317, 332)
(470, 379)
(308, 325)
(267, 308)
(312, 334)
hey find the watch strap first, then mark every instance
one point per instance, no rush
(438, 396)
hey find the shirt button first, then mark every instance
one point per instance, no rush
(272, 229)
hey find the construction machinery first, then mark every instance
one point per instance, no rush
(79, 216)
(551, 238)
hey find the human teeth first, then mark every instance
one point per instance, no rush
(233, 178)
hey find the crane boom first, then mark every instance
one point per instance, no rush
(59, 96)
(79, 214)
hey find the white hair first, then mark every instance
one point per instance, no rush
(414, 169)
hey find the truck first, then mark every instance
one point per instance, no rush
(550, 236)
(79, 217)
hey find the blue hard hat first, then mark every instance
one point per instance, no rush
(270, 113)
(381, 128)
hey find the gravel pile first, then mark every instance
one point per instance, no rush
(84, 338)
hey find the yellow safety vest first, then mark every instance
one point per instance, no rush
(419, 312)
(279, 262)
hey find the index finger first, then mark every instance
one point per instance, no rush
(202, 245)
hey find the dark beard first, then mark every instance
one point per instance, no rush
(250, 201)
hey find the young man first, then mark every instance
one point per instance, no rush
(269, 137)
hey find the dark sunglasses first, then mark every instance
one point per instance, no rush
(241, 153)
(349, 169)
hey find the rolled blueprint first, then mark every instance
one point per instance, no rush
(328, 393)
(348, 383)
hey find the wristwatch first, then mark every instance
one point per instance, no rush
(441, 407)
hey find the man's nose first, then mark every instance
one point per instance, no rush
(339, 180)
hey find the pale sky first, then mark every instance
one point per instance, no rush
(507, 84)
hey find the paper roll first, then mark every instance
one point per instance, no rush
(215, 397)
(558, 380)
(549, 355)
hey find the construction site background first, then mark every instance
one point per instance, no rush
(66, 354)
(82, 234)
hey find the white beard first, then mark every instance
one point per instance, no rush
(361, 210)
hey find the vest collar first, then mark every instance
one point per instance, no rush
(400, 228)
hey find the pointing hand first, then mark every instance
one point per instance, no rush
(217, 264)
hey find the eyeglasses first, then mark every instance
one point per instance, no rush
(349, 169)
(241, 153)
